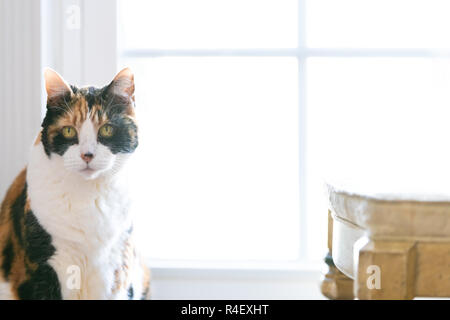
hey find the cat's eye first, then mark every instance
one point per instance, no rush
(106, 131)
(69, 132)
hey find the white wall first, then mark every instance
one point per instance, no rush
(20, 84)
(79, 40)
(34, 34)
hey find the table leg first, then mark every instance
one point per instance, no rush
(335, 285)
(386, 269)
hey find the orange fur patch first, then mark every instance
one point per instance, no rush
(146, 286)
(122, 277)
(38, 139)
(18, 272)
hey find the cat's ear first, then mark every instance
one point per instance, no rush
(55, 85)
(123, 84)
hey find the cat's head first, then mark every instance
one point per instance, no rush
(93, 130)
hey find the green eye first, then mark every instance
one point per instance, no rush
(106, 131)
(69, 132)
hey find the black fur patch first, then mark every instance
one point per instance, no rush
(74, 89)
(124, 139)
(39, 246)
(61, 144)
(130, 292)
(17, 214)
(42, 285)
(8, 257)
(93, 96)
(145, 293)
(42, 281)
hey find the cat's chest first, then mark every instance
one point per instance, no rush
(84, 275)
(92, 215)
(87, 233)
(87, 224)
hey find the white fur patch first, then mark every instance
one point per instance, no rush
(5, 291)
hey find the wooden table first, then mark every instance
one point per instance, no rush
(388, 245)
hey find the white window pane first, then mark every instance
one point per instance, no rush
(376, 117)
(181, 24)
(378, 23)
(216, 173)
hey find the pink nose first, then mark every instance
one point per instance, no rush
(87, 157)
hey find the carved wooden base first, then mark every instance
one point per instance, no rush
(386, 269)
(335, 285)
(393, 249)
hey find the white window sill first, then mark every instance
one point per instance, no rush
(212, 280)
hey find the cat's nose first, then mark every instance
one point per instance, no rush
(87, 157)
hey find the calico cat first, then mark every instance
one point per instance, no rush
(65, 228)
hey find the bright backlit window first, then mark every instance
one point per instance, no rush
(245, 104)
(217, 173)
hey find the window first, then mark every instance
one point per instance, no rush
(248, 105)
(218, 176)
